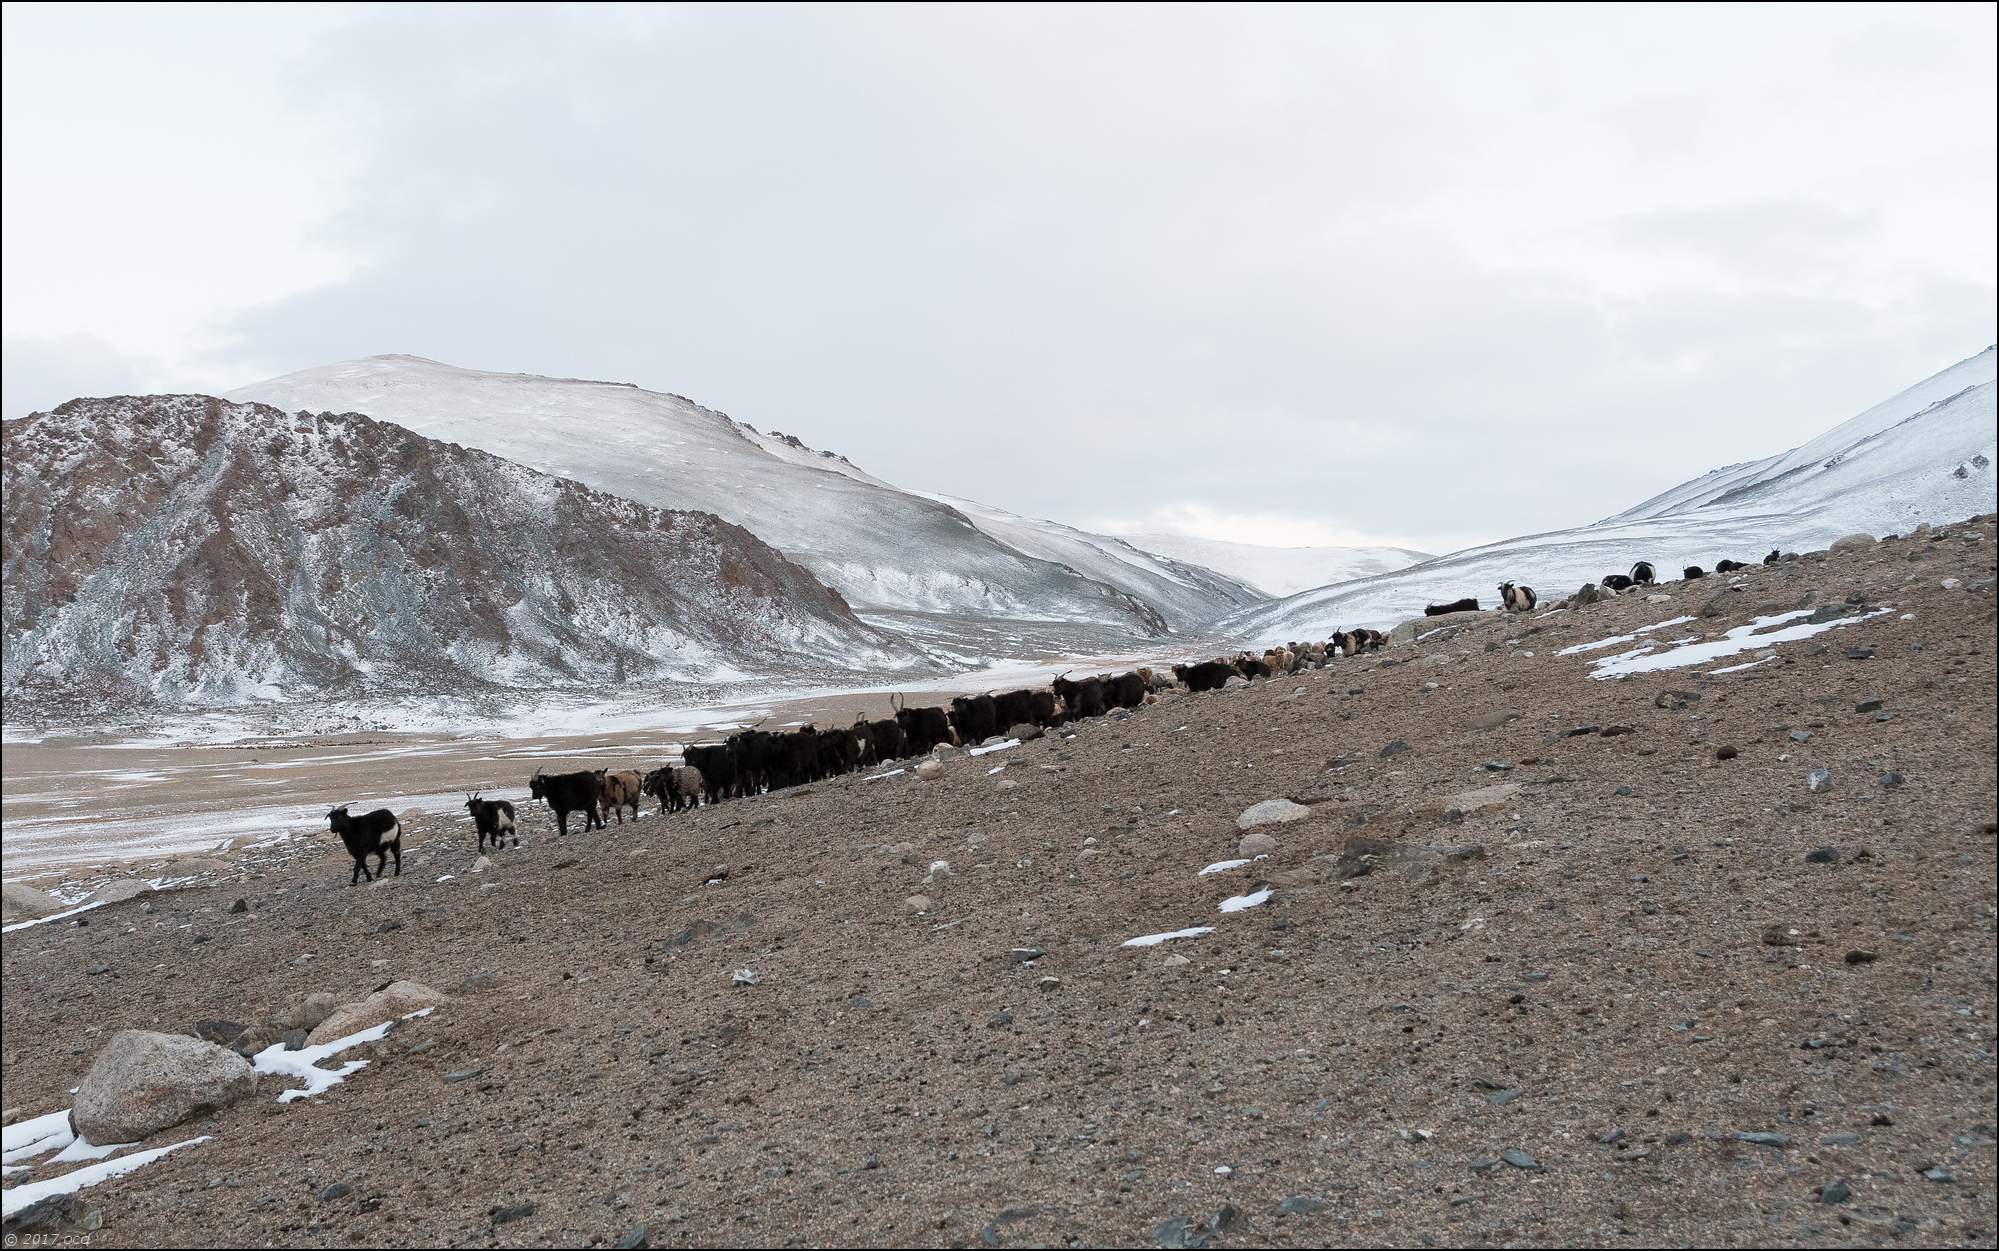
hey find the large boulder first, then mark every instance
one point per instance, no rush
(397, 999)
(1409, 630)
(121, 890)
(1271, 812)
(21, 902)
(310, 1012)
(1852, 541)
(143, 1082)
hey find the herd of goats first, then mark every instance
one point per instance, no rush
(753, 760)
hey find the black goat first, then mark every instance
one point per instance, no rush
(566, 793)
(1728, 566)
(1695, 571)
(888, 739)
(1124, 690)
(1080, 699)
(492, 818)
(1616, 582)
(717, 766)
(1467, 604)
(973, 717)
(1043, 707)
(1012, 708)
(376, 834)
(922, 728)
(1208, 675)
(1774, 556)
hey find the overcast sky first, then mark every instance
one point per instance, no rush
(1423, 276)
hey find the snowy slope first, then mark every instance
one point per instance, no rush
(1279, 570)
(885, 549)
(1925, 455)
(232, 553)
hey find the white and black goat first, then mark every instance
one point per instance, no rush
(376, 834)
(494, 819)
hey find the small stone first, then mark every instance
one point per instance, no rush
(1892, 779)
(1822, 855)
(1779, 936)
(1819, 781)
(240, 907)
(1800, 736)
(634, 1237)
(1615, 731)
(1624, 791)
(1302, 1205)
(1048, 983)
(744, 977)
(482, 864)
(917, 903)
(1025, 955)
(1395, 748)
(1675, 700)
(1517, 1158)
(513, 1212)
(1868, 705)
(1860, 653)
(1939, 1174)
(1762, 1138)
(462, 1075)
(1255, 843)
(97, 970)
(338, 1190)
(1835, 1192)
(1725, 752)
(929, 770)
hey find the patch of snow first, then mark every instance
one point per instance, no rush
(1242, 903)
(1755, 635)
(1153, 940)
(21, 925)
(980, 751)
(303, 1064)
(18, 1197)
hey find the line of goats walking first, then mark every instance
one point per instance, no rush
(1516, 598)
(753, 760)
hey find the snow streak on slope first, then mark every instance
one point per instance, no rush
(1926, 455)
(1279, 570)
(233, 553)
(883, 548)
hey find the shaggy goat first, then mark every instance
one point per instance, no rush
(493, 818)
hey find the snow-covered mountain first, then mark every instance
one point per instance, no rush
(1279, 571)
(888, 551)
(185, 550)
(1924, 455)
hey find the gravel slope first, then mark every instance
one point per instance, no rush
(1653, 973)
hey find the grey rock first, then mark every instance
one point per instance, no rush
(144, 1082)
(1835, 1192)
(1516, 1158)
(240, 907)
(1822, 855)
(1762, 1138)
(635, 1236)
(1271, 812)
(1302, 1205)
(1025, 955)
(338, 1190)
(1395, 748)
(463, 1075)
(1870, 704)
(509, 1213)
(1800, 736)
(1860, 653)
(1819, 781)
(1892, 779)
(218, 1031)
(1675, 700)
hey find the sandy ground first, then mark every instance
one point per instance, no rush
(1630, 972)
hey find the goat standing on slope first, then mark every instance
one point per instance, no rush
(376, 834)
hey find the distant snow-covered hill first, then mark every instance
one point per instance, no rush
(226, 554)
(885, 549)
(1279, 571)
(1924, 455)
